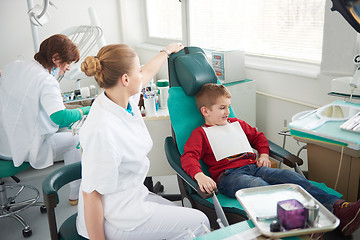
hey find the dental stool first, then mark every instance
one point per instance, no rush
(51, 185)
(14, 198)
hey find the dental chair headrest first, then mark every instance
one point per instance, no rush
(193, 70)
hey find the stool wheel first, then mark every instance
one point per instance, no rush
(43, 209)
(26, 232)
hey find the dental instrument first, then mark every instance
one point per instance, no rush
(85, 37)
(353, 124)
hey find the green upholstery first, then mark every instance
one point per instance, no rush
(174, 81)
(68, 230)
(7, 168)
(185, 117)
(231, 202)
(180, 105)
(51, 185)
(174, 160)
(193, 71)
(60, 177)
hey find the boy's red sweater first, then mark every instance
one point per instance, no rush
(198, 147)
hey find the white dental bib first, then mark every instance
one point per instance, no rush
(227, 140)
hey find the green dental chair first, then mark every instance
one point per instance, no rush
(188, 71)
(15, 198)
(51, 185)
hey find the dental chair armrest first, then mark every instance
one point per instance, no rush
(283, 155)
(174, 159)
(51, 185)
(206, 195)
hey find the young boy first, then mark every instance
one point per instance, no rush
(225, 145)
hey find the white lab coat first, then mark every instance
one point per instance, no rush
(28, 96)
(114, 163)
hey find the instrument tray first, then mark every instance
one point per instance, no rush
(261, 202)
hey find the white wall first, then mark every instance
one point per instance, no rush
(16, 38)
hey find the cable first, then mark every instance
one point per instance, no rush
(338, 174)
(352, 92)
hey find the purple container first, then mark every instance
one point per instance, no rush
(291, 214)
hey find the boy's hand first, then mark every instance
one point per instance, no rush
(263, 161)
(206, 184)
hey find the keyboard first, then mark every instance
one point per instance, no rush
(353, 124)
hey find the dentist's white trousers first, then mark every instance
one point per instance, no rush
(169, 221)
(66, 146)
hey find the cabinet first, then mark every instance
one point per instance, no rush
(243, 100)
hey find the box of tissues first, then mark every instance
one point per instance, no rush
(291, 214)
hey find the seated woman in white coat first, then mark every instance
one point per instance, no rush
(114, 203)
(32, 109)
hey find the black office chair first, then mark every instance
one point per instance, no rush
(15, 198)
(51, 185)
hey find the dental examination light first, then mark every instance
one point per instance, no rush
(350, 10)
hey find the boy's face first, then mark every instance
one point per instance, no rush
(218, 113)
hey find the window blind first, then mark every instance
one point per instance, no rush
(290, 29)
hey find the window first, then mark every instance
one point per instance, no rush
(164, 19)
(287, 29)
(281, 28)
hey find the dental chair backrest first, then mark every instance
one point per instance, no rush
(188, 71)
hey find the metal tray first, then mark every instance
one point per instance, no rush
(261, 202)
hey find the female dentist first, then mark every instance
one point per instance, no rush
(31, 109)
(114, 203)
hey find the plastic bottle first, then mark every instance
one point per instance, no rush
(163, 86)
(150, 99)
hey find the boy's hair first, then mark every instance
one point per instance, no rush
(209, 93)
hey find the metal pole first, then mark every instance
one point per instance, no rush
(34, 30)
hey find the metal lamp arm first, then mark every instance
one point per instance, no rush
(46, 5)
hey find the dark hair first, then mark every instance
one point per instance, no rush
(60, 46)
(111, 62)
(209, 93)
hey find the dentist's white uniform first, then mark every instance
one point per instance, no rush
(28, 96)
(114, 163)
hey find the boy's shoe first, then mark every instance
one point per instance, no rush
(349, 215)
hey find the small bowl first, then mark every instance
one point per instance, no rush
(291, 214)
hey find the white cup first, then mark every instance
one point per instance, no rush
(150, 106)
(163, 86)
(85, 92)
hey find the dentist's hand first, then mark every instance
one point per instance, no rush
(206, 184)
(174, 47)
(263, 160)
